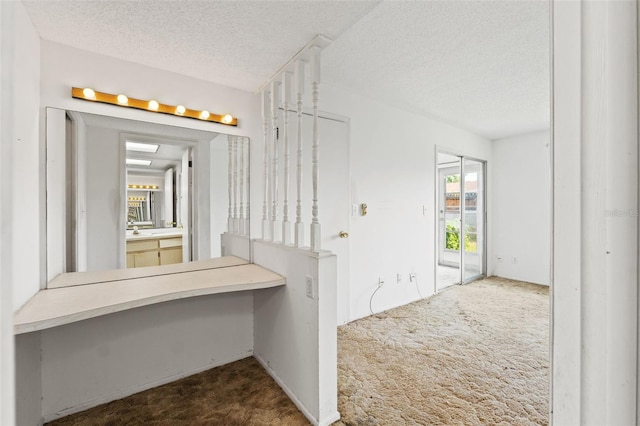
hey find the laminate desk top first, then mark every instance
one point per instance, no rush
(115, 291)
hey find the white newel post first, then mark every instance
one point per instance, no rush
(266, 193)
(242, 225)
(315, 81)
(299, 227)
(286, 94)
(230, 185)
(275, 228)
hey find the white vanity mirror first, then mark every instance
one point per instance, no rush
(132, 194)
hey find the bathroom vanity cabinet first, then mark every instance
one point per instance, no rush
(153, 250)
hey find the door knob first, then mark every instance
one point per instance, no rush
(343, 234)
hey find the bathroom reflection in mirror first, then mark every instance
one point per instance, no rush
(158, 202)
(133, 193)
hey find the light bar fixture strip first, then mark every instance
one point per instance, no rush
(131, 186)
(152, 106)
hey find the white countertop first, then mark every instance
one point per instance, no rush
(58, 306)
(148, 234)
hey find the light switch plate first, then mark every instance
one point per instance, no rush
(309, 287)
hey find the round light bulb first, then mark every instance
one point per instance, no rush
(153, 105)
(89, 93)
(122, 99)
(204, 114)
(227, 119)
(180, 109)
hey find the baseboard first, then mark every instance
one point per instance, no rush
(119, 395)
(294, 398)
(330, 419)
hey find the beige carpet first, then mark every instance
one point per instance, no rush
(474, 354)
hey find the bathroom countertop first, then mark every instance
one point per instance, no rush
(147, 235)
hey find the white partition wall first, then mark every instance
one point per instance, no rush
(295, 327)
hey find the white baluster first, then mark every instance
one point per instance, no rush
(275, 229)
(230, 184)
(241, 222)
(299, 226)
(235, 185)
(315, 82)
(247, 218)
(286, 95)
(266, 235)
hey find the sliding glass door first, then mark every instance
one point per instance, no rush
(461, 220)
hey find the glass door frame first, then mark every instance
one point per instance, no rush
(463, 228)
(437, 233)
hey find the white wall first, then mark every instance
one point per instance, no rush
(7, 373)
(595, 240)
(392, 171)
(28, 214)
(522, 207)
(21, 161)
(101, 359)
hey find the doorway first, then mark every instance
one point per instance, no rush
(461, 225)
(335, 196)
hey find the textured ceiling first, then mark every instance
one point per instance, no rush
(481, 65)
(236, 43)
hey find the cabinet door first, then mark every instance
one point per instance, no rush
(172, 255)
(146, 258)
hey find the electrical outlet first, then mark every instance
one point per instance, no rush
(380, 281)
(398, 278)
(515, 259)
(499, 259)
(355, 210)
(309, 284)
(412, 276)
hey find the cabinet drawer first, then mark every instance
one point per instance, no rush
(171, 242)
(142, 245)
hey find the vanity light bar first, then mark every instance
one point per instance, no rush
(131, 186)
(88, 94)
(137, 198)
